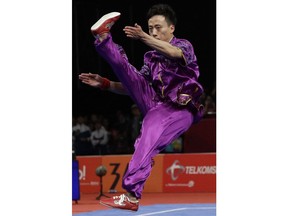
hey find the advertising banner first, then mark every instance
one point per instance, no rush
(89, 181)
(170, 173)
(189, 173)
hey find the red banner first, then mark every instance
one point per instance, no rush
(189, 173)
(89, 181)
(170, 173)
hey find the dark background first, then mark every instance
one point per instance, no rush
(196, 23)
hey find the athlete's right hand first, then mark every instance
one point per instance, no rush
(94, 80)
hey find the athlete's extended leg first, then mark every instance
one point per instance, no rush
(140, 91)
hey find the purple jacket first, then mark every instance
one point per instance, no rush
(174, 80)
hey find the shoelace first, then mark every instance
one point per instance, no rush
(122, 197)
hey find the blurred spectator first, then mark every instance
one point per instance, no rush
(175, 147)
(213, 92)
(122, 121)
(99, 139)
(81, 136)
(121, 125)
(118, 142)
(209, 106)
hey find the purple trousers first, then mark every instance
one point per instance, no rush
(162, 121)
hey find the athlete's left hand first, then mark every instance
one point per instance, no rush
(134, 32)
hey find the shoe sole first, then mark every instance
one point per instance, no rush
(104, 19)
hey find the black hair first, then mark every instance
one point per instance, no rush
(164, 10)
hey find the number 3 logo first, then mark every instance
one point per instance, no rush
(117, 175)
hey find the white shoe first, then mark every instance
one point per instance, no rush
(104, 24)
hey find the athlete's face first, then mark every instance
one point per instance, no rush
(159, 28)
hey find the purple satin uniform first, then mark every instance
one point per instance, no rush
(166, 91)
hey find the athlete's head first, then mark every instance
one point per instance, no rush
(161, 21)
